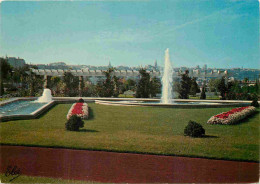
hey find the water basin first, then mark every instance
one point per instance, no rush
(20, 108)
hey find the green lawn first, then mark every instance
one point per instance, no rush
(2, 99)
(139, 129)
(125, 96)
(33, 179)
(207, 97)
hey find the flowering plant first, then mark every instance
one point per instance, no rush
(232, 116)
(79, 109)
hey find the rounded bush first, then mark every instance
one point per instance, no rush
(74, 123)
(255, 103)
(194, 129)
(81, 100)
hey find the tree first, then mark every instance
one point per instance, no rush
(233, 91)
(5, 73)
(130, 84)
(89, 89)
(143, 86)
(203, 93)
(110, 86)
(71, 84)
(246, 80)
(213, 84)
(116, 84)
(55, 84)
(184, 86)
(257, 87)
(25, 81)
(35, 83)
(222, 88)
(194, 87)
(155, 86)
(99, 88)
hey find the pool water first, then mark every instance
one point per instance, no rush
(20, 107)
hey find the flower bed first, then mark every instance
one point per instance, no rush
(79, 109)
(233, 116)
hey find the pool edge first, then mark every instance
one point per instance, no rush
(33, 115)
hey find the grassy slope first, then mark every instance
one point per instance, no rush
(139, 129)
(33, 179)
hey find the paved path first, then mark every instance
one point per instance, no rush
(123, 167)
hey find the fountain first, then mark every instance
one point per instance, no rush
(167, 95)
(19, 108)
(167, 81)
(46, 96)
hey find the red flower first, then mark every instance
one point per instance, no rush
(225, 115)
(77, 109)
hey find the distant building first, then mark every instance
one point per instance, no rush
(109, 65)
(16, 62)
(155, 65)
(58, 64)
(205, 67)
(203, 74)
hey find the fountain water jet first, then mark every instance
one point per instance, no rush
(167, 80)
(46, 96)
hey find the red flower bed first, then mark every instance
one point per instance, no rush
(233, 116)
(77, 109)
(226, 114)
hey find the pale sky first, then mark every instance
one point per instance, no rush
(219, 33)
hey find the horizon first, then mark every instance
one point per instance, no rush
(152, 64)
(221, 34)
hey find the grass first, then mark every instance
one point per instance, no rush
(125, 96)
(207, 97)
(2, 99)
(150, 130)
(33, 179)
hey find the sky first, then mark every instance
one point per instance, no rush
(219, 33)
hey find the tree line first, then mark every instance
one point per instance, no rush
(21, 82)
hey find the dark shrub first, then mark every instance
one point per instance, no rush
(255, 103)
(203, 93)
(194, 129)
(74, 123)
(81, 100)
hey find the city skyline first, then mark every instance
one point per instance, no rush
(110, 64)
(221, 34)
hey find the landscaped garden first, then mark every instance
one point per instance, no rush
(150, 130)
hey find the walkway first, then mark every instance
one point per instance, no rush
(123, 167)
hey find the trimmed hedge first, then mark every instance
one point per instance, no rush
(74, 123)
(80, 100)
(255, 103)
(194, 129)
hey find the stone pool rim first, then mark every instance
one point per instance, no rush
(220, 103)
(32, 115)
